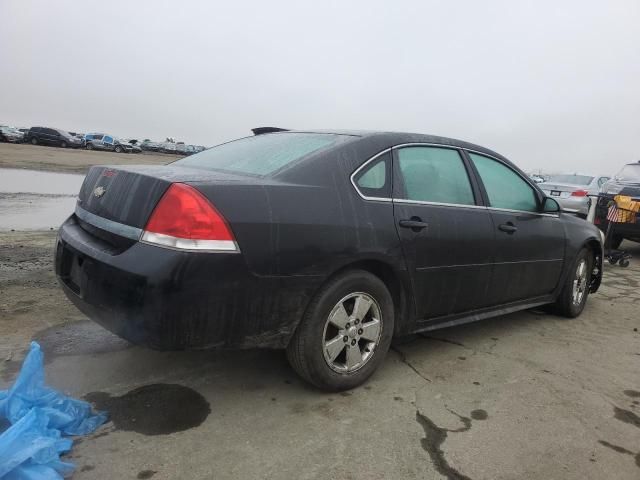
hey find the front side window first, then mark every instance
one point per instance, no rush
(108, 139)
(262, 154)
(505, 188)
(375, 179)
(433, 174)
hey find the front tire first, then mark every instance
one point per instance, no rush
(118, 149)
(345, 332)
(575, 291)
(34, 141)
(89, 146)
(63, 144)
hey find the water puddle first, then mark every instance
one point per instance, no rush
(33, 200)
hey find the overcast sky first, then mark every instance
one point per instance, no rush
(551, 85)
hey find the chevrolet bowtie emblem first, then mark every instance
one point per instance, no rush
(99, 191)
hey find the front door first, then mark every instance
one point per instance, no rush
(529, 246)
(447, 236)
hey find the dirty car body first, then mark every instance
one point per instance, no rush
(323, 203)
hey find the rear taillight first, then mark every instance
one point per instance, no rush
(184, 219)
(579, 193)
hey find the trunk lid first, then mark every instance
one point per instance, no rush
(128, 194)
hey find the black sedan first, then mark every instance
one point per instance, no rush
(327, 244)
(625, 182)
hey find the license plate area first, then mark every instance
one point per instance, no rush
(71, 268)
(555, 193)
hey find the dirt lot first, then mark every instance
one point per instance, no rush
(528, 395)
(71, 160)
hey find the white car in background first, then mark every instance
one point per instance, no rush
(572, 190)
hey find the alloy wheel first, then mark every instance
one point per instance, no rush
(580, 282)
(352, 332)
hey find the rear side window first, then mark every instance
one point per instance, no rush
(375, 179)
(505, 188)
(432, 174)
(261, 154)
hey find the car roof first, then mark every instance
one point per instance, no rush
(398, 138)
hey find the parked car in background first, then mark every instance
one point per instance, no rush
(149, 146)
(625, 182)
(168, 147)
(51, 136)
(572, 190)
(11, 134)
(102, 141)
(537, 178)
(307, 241)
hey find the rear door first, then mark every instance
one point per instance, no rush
(446, 234)
(529, 246)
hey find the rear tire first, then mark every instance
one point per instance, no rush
(34, 141)
(575, 291)
(336, 358)
(63, 144)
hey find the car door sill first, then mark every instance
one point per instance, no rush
(481, 314)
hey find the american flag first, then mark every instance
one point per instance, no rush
(612, 214)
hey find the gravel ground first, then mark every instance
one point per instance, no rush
(528, 395)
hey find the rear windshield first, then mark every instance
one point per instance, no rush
(262, 154)
(629, 173)
(571, 179)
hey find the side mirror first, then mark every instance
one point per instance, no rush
(549, 205)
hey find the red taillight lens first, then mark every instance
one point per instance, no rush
(579, 193)
(184, 219)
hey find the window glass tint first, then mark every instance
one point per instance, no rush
(261, 154)
(108, 140)
(506, 189)
(432, 174)
(374, 180)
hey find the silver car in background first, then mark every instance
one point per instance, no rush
(572, 191)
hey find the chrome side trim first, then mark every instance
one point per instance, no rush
(440, 204)
(353, 175)
(425, 144)
(121, 229)
(523, 211)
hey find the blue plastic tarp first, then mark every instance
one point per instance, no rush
(40, 416)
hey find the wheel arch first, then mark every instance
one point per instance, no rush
(393, 280)
(595, 246)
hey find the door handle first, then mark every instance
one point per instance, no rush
(415, 224)
(508, 227)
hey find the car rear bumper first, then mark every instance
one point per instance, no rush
(577, 205)
(172, 300)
